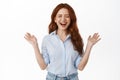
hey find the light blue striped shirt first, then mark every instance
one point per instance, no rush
(61, 58)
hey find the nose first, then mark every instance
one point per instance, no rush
(63, 19)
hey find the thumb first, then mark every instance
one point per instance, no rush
(89, 37)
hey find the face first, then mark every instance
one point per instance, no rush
(62, 19)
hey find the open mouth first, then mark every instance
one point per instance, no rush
(63, 24)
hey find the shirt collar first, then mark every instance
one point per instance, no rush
(54, 33)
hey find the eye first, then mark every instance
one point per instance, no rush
(59, 16)
(67, 16)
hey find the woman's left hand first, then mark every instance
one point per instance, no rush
(93, 39)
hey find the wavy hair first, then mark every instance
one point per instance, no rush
(76, 38)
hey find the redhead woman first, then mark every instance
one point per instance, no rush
(62, 51)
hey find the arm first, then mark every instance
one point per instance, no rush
(33, 41)
(91, 41)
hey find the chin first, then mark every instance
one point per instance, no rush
(64, 28)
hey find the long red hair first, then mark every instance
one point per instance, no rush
(76, 38)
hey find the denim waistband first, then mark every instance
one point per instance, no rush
(55, 77)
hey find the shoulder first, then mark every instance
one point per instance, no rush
(46, 37)
(49, 36)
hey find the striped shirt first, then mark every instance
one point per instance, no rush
(60, 56)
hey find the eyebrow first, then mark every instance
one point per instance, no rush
(64, 14)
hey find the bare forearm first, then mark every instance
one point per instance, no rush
(85, 57)
(39, 57)
(91, 42)
(33, 41)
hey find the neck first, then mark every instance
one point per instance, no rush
(62, 34)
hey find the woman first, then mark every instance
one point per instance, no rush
(62, 50)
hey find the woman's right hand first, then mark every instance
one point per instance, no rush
(31, 39)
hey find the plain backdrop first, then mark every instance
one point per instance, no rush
(17, 59)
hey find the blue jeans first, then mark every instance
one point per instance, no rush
(51, 76)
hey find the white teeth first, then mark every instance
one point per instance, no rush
(63, 24)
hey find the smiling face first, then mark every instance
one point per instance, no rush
(62, 19)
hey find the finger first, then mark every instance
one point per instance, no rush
(89, 37)
(98, 40)
(96, 36)
(93, 36)
(32, 35)
(28, 34)
(26, 37)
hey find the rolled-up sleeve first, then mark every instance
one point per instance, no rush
(45, 52)
(77, 61)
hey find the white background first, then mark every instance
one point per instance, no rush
(17, 59)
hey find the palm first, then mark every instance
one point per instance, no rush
(94, 39)
(30, 38)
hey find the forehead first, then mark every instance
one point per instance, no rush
(63, 11)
